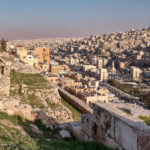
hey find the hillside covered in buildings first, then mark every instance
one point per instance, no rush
(31, 109)
(80, 93)
(117, 57)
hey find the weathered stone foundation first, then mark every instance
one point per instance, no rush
(115, 129)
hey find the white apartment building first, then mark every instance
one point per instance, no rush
(103, 74)
(100, 63)
(135, 72)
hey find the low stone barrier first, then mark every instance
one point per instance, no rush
(76, 102)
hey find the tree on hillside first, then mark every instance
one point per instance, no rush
(3, 45)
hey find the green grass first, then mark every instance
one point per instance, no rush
(53, 106)
(77, 145)
(33, 82)
(28, 79)
(126, 88)
(12, 139)
(146, 119)
(30, 99)
(34, 101)
(127, 111)
(15, 119)
(75, 113)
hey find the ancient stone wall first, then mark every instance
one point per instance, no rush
(115, 129)
(4, 86)
(4, 78)
(77, 103)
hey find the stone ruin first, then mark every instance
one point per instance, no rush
(112, 127)
(115, 129)
(14, 107)
(4, 78)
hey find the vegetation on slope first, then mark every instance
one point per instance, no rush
(28, 79)
(127, 111)
(12, 138)
(75, 113)
(145, 97)
(36, 84)
(126, 88)
(146, 119)
(33, 82)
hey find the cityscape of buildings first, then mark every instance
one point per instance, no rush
(88, 89)
(80, 65)
(109, 71)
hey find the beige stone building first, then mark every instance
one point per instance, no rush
(26, 57)
(72, 61)
(43, 54)
(87, 67)
(138, 57)
(59, 69)
(122, 65)
(100, 63)
(53, 78)
(67, 82)
(101, 96)
(22, 52)
(31, 60)
(103, 74)
(135, 73)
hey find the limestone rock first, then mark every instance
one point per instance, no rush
(10, 112)
(65, 134)
(36, 129)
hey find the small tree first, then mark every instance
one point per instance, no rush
(3, 44)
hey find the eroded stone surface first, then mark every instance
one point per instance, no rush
(125, 135)
(65, 134)
(144, 141)
(115, 129)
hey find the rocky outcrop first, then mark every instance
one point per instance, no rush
(14, 107)
(74, 128)
(50, 95)
(4, 85)
(30, 99)
(4, 77)
(65, 134)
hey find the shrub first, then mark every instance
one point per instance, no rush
(127, 111)
(146, 119)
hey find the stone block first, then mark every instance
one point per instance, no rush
(85, 137)
(125, 135)
(111, 143)
(9, 104)
(76, 130)
(65, 134)
(104, 119)
(10, 112)
(97, 133)
(36, 129)
(87, 124)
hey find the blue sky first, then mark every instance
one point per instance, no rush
(28, 19)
